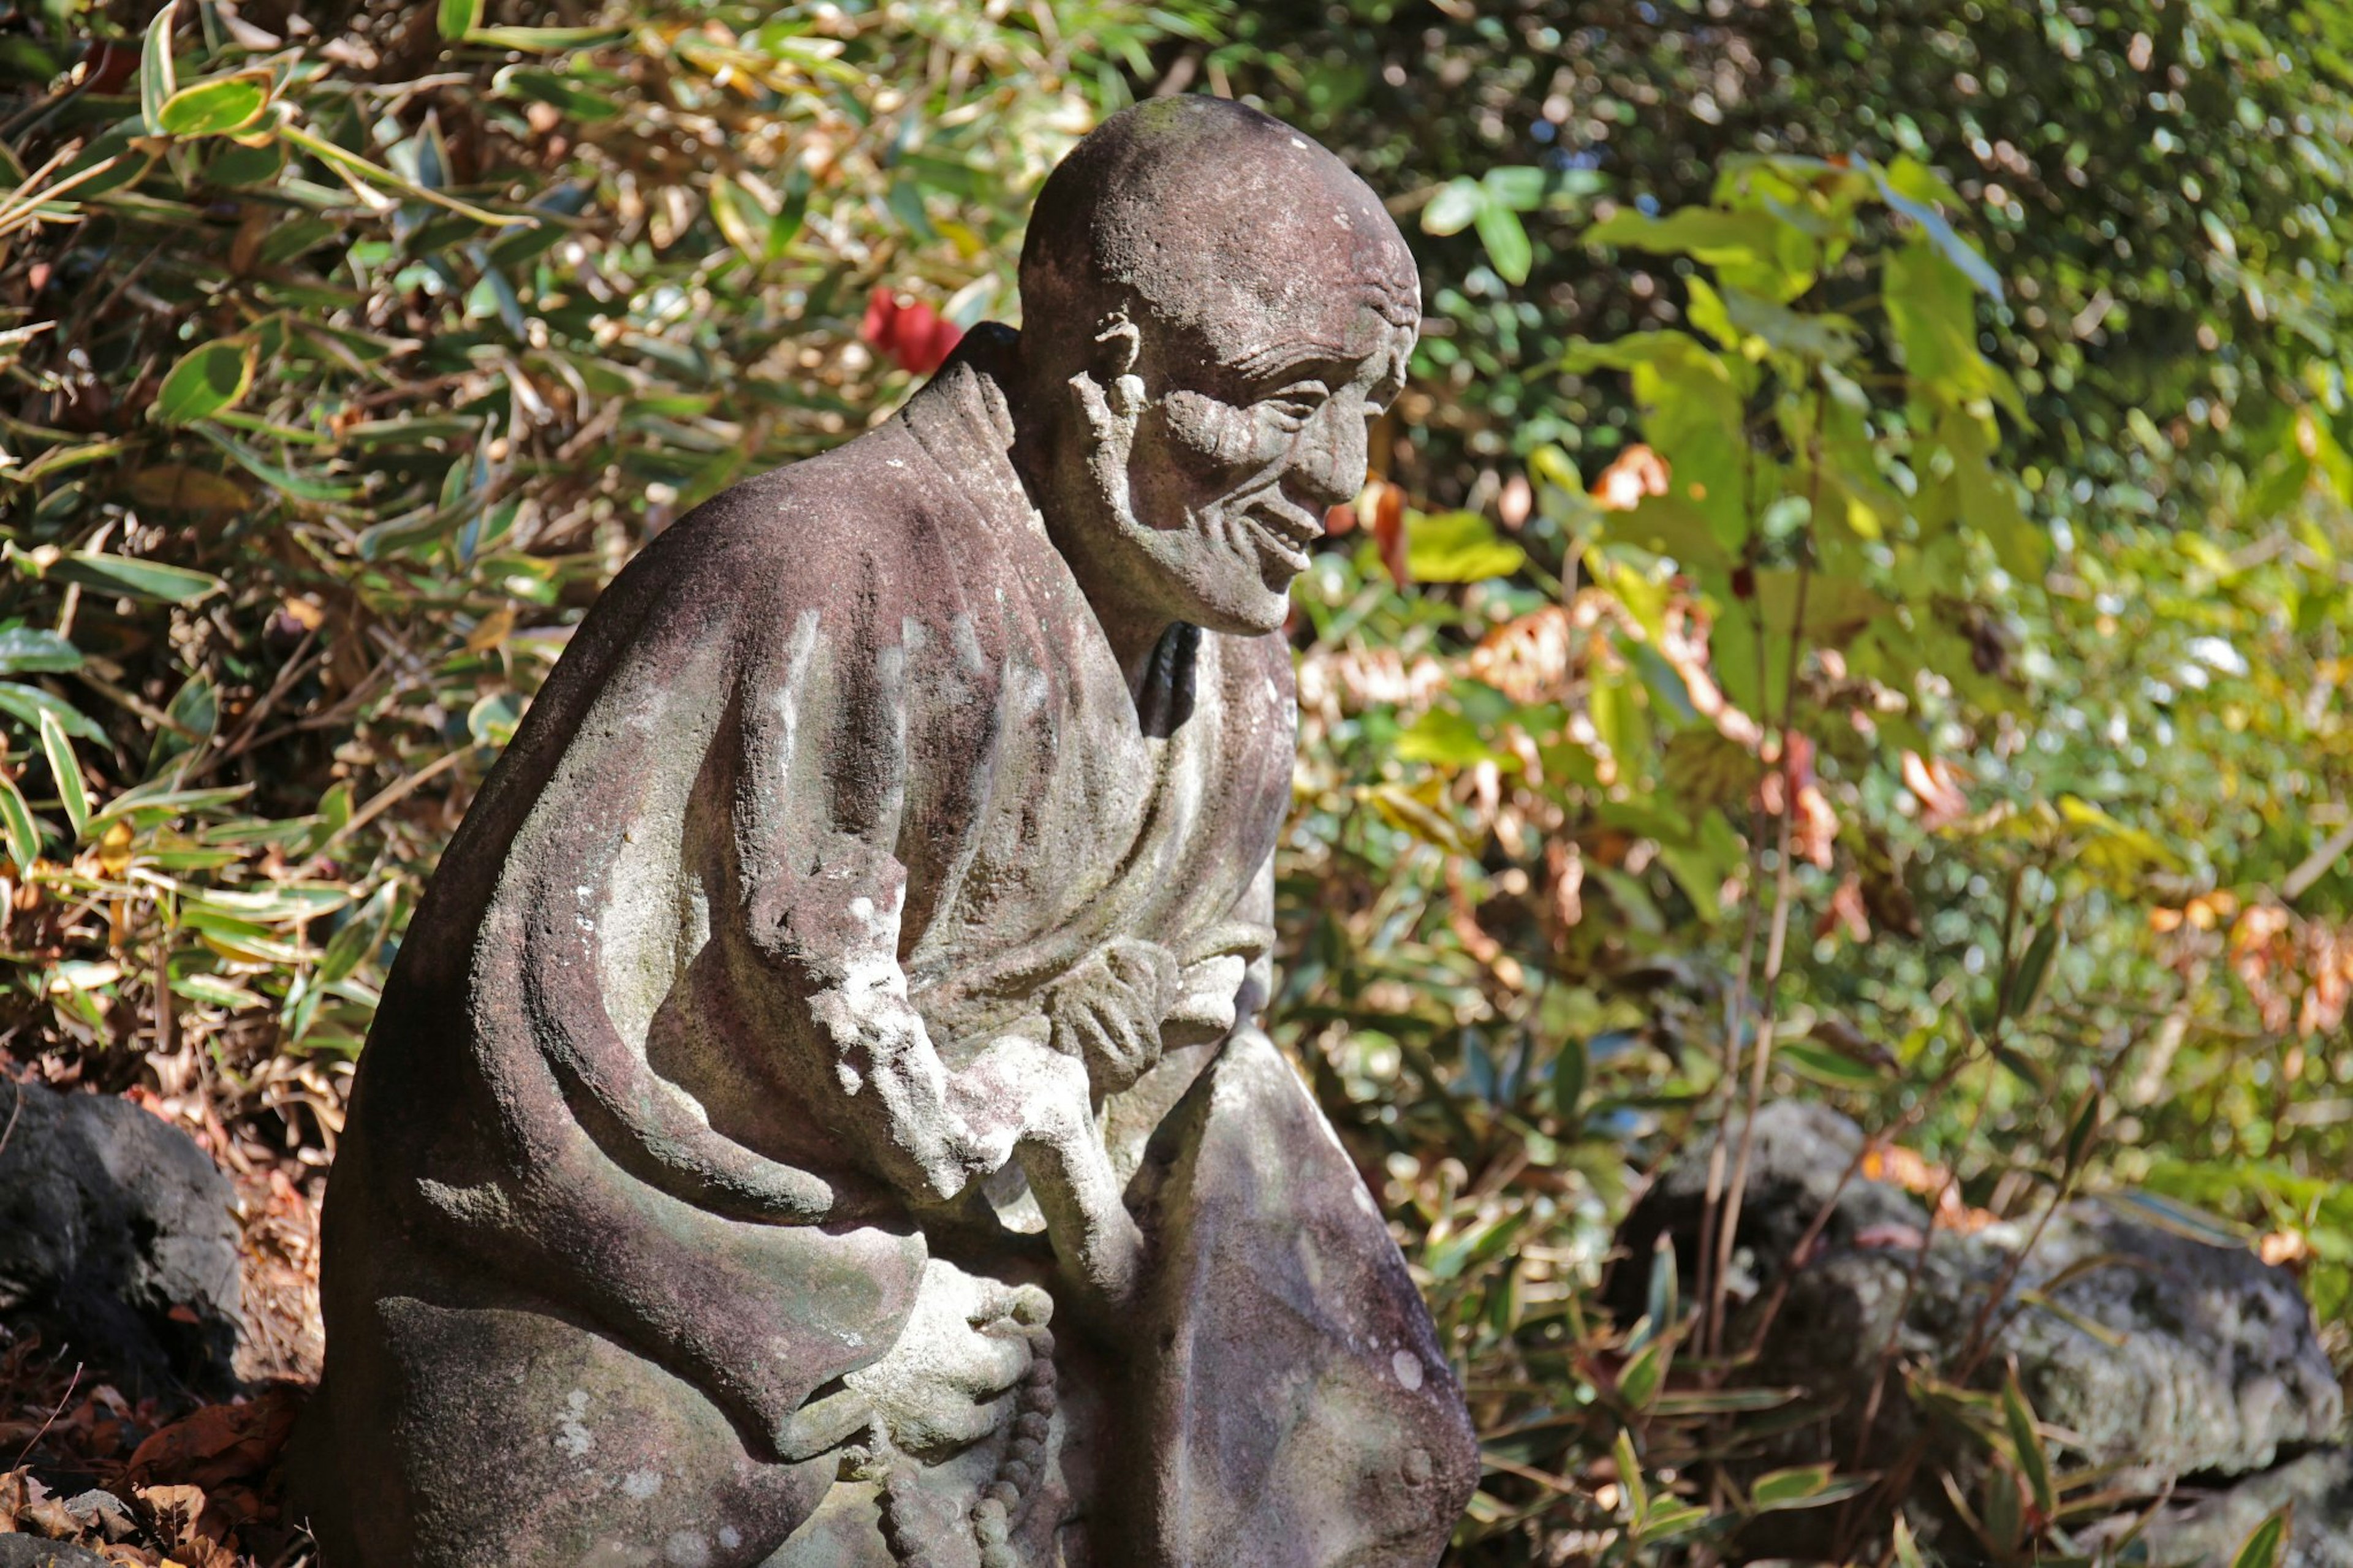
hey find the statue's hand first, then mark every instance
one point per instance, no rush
(931, 1134)
(1108, 1011)
(949, 1379)
(1038, 1097)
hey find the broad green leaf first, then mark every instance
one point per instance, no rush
(1630, 1475)
(1506, 239)
(2033, 969)
(573, 98)
(1645, 1374)
(1798, 1488)
(213, 108)
(1752, 250)
(458, 18)
(1454, 208)
(1569, 1073)
(218, 990)
(73, 795)
(2266, 1545)
(493, 717)
(545, 40)
(1824, 1066)
(26, 704)
(24, 835)
(157, 81)
(1456, 547)
(2026, 1445)
(359, 936)
(134, 578)
(209, 378)
(129, 163)
(29, 650)
(744, 222)
(2112, 846)
(1905, 187)
(1425, 816)
(1672, 1518)
(1449, 739)
(1517, 187)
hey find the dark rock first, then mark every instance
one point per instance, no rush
(1800, 1153)
(115, 1230)
(31, 1552)
(2161, 1357)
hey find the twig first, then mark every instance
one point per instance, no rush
(393, 794)
(63, 1400)
(2316, 864)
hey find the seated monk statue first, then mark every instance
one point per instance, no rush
(818, 1116)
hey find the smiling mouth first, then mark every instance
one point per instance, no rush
(1284, 529)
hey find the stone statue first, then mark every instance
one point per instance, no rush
(852, 965)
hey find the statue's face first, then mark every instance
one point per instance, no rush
(1213, 479)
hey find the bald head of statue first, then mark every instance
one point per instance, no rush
(1214, 311)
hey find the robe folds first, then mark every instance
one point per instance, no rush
(852, 720)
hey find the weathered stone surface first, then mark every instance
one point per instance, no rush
(748, 1163)
(109, 1219)
(2216, 1366)
(29, 1552)
(2208, 1525)
(2165, 1358)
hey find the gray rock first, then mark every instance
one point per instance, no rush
(1799, 1151)
(2205, 1527)
(31, 1552)
(109, 1219)
(103, 1511)
(2160, 1357)
(2210, 1361)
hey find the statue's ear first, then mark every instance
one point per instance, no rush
(1120, 345)
(1110, 391)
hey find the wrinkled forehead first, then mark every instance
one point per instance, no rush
(1304, 280)
(1358, 332)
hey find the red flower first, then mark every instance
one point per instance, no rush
(916, 337)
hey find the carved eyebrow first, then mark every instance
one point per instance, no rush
(1285, 358)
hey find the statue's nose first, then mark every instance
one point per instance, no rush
(1329, 466)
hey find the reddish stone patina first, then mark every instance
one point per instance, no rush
(852, 964)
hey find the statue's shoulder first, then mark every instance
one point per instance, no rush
(858, 522)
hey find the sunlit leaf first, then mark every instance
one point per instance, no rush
(73, 793)
(16, 823)
(209, 378)
(1456, 547)
(156, 79)
(135, 578)
(213, 108)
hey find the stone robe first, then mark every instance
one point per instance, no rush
(851, 718)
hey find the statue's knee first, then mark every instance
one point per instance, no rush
(509, 1437)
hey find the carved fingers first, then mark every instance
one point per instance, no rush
(950, 1379)
(1107, 1013)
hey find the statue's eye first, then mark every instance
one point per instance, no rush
(1294, 405)
(1224, 434)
